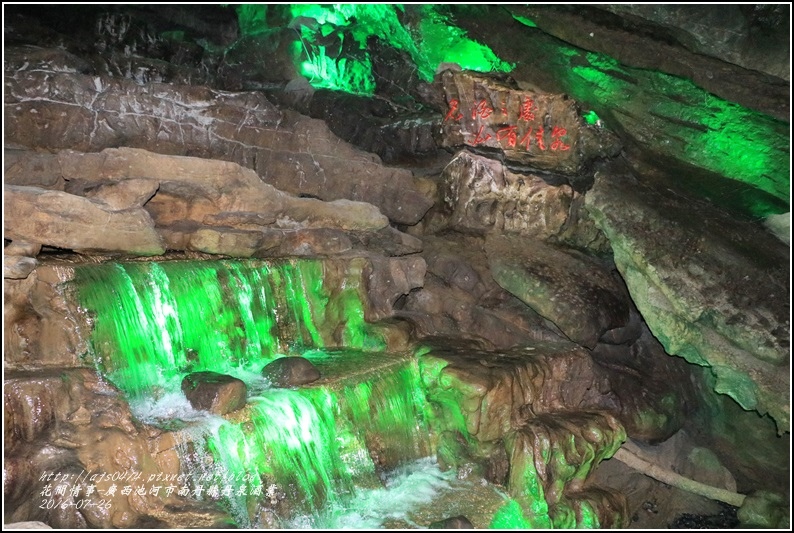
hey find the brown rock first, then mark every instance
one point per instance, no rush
(290, 372)
(24, 167)
(460, 299)
(537, 130)
(290, 151)
(575, 291)
(60, 219)
(387, 241)
(217, 393)
(482, 195)
(17, 267)
(307, 242)
(22, 248)
(125, 194)
(453, 522)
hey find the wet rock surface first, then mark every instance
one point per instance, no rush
(217, 393)
(290, 372)
(80, 426)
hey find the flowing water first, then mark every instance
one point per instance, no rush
(325, 455)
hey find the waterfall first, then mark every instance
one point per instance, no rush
(154, 322)
(289, 453)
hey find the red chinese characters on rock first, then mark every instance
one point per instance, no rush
(508, 135)
(479, 139)
(556, 135)
(526, 111)
(481, 110)
(453, 112)
(509, 132)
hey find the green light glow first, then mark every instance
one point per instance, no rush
(314, 444)
(442, 42)
(349, 26)
(591, 118)
(155, 322)
(510, 516)
(702, 129)
(355, 23)
(589, 517)
(525, 21)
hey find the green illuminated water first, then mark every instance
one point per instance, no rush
(287, 451)
(323, 455)
(297, 451)
(155, 322)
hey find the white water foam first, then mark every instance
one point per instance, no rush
(405, 490)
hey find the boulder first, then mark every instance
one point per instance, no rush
(217, 393)
(290, 372)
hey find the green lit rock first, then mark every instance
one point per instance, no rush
(485, 395)
(661, 117)
(552, 456)
(712, 288)
(290, 372)
(764, 510)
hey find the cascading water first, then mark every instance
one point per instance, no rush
(288, 453)
(153, 322)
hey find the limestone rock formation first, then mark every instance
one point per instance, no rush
(92, 440)
(574, 291)
(460, 300)
(56, 110)
(713, 289)
(535, 130)
(197, 204)
(662, 119)
(55, 218)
